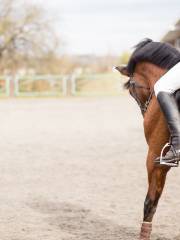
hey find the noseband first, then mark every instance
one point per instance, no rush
(143, 105)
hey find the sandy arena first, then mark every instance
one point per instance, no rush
(74, 169)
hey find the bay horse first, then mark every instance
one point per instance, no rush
(143, 71)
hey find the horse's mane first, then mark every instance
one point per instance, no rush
(161, 54)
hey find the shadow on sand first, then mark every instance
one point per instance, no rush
(81, 224)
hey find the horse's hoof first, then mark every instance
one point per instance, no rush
(146, 229)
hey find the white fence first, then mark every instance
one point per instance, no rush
(60, 85)
(41, 85)
(96, 84)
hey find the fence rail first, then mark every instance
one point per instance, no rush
(60, 85)
(51, 85)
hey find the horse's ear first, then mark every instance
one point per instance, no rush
(122, 69)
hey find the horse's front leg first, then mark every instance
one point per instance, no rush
(156, 177)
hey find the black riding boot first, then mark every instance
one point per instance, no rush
(169, 107)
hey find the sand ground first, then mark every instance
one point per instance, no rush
(74, 169)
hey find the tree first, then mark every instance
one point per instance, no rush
(25, 33)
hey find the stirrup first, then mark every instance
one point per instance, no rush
(169, 163)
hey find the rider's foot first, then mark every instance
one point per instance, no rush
(170, 160)
(172, 157)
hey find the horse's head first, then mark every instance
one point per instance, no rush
(147, 64)
(138, 85)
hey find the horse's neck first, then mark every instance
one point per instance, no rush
(155, 127)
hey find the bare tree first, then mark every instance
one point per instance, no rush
(25, 32)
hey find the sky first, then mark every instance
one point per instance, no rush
(110, 26)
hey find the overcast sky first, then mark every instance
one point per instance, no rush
(110, 26)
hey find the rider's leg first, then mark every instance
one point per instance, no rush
(170, 109)
(164, 89)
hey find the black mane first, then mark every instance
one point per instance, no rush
(161, 54)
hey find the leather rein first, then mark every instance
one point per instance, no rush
(143, 105)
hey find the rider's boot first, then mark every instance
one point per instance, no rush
(169, 107)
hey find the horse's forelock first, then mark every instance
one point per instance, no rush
(161, 54)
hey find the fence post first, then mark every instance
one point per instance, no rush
(73, 84)
(7, 84)
(64, 85)
(16, 85)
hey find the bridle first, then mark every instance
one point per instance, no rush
(143, 105)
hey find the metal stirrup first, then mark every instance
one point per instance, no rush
(170, 164)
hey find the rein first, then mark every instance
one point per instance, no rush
(143, 106)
